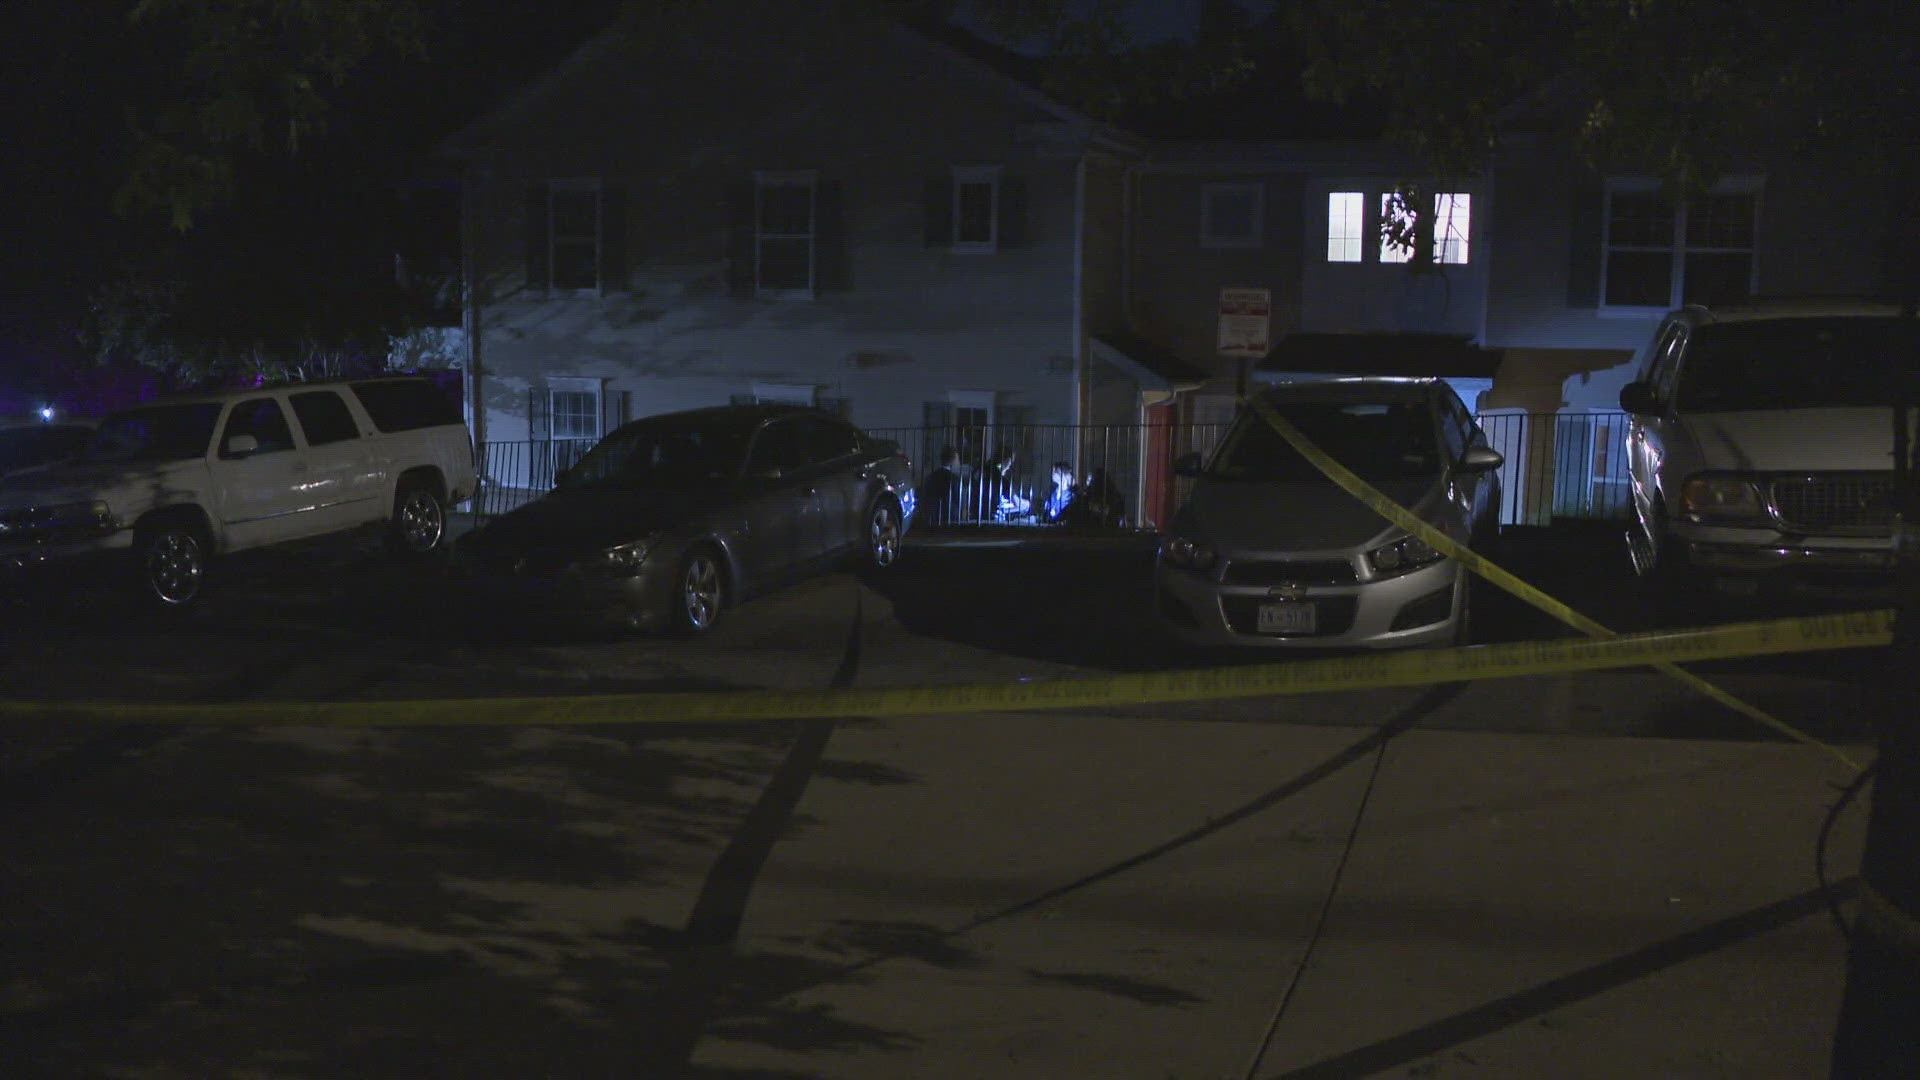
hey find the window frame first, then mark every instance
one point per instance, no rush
(555, 240)
(1257, 225)
(965, 176)
(762, 181)
(1358, 240)
(1390, 256)
(1679, 248)
(563, 384)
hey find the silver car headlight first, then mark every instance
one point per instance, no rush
(1722, 500)
(1402, 555)
(1188, 553)
(620, 560)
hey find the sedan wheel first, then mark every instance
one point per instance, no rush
(883, 534)
(172, 563)
(697, 603)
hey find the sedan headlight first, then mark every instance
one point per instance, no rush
(1722, 500)
(1404, 554)
(621, 560)
(1188, 553)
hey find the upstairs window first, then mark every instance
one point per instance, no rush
(976, 209)
(1346, 225)
(1230, 215)
(1663, 253)
(573, 234)
(784, 229)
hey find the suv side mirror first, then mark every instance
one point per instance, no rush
(1187, 464)
(242, 445)
(1480, 459)
(1637, 397)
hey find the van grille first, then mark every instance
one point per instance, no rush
(1835, 503)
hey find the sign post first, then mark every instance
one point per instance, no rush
(1246, 317)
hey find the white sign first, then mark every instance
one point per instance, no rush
(1245, 315)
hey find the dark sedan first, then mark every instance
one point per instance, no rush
(672, 518)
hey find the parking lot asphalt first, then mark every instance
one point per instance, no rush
(1594, 875)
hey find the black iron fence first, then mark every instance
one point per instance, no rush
(1558, 465)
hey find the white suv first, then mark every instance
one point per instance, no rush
(166, 486)
(1761, 449)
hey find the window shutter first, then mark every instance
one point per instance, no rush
(613, 238)
(832, 263)
(1014, 227)
(614, 408)
(740, 229)
(539, 422)
(537, 273)
(939, 211)
(1016, 433)
(1583, 248)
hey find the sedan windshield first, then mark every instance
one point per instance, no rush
(1376, 440)
(1808, 363)
(662, 455)
(159, 432)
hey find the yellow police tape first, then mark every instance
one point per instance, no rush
(1408, 668)
(1453, 549)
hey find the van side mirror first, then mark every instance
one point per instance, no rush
(1187, 464)
(1479, 459)
(1637, 397)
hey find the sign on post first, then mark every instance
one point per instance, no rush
(1245, 315)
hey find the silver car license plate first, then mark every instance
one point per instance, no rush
(1287, 617)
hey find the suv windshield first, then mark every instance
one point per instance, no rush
(662, 455)
(1808, 363)
(1377, 440)
(163, 432)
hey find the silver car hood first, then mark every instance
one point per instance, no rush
(1237, 515)
(1793, 440)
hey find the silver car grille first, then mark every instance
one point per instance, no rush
(1285, 571)
(1835, 503)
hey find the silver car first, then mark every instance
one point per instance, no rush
(672, 518)
(1269, 552)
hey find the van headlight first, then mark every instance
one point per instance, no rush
(1188, 552)
(620, 560)
(1722, 500)
(1402, 555)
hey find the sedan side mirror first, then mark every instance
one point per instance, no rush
(1637, 397)
(1479, 459)
(1187, 464)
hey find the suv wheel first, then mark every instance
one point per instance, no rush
(170, 563)
(419, 519)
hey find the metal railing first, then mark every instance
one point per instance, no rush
(1558, 465)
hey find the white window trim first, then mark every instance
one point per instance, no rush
(574, 186)
(1358, 240)
(977, 174)
(786, 393)
(1676, 288)
(811, 181)
(1258, 226)
(568, 384)
(1395, 257)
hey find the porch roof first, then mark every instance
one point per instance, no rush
(1407, 354)
(1155, 367)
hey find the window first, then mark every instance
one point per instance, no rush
(573, 408)
(1230, 215)
(783, 393)
(783, 232)
(1399, 227)
(1662, 253)
(976, 209)
(573, 234)
(405, 404)
(323, 417)
(261, 418)
(1346, 224)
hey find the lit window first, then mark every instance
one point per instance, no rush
(976, 209)
(1452, 213)
(1346, 224)
(783, 233)
(1662, 254)
(1230, 215)
(573, 233)
(1396, 228)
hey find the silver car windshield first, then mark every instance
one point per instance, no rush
(662, 455)
(157, 432)
(1376, 440)
(1808, 363)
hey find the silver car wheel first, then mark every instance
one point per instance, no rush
(883, 534)
(419, 521)
(173, 565)
(699, 592)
